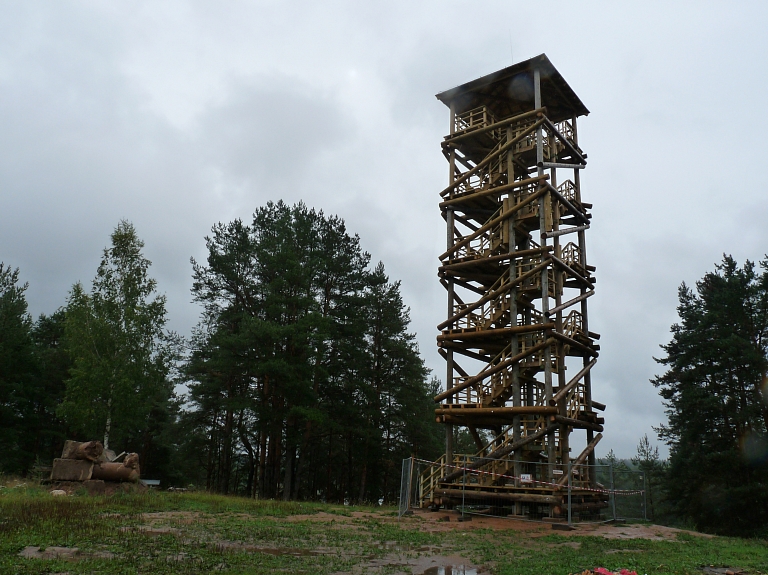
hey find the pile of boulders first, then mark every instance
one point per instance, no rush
(89, 464)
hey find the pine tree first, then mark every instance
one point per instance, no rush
(304, 381)
(716, 365)
(18, 369)
(649, 462)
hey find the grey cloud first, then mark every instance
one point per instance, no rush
(179, 117)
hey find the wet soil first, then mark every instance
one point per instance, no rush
(436, 521)
(66, 553)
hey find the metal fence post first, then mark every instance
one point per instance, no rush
(645, 496)
(570, 471)
(411, 490)
(463, 488)
(613, 491)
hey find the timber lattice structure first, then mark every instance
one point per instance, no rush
(516, 340)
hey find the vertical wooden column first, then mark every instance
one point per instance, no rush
(584, 306)
(543, 205)
(450, 239)
(559, 346)
(514, 342)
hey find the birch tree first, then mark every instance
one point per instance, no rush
(121, 354)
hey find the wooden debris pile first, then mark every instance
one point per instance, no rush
(89, 461)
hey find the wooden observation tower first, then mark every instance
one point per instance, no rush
(516, 340)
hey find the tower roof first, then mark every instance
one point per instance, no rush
(509, 92)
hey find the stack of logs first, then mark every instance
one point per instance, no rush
(88, 461)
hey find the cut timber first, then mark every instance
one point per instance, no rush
(86, 450)
(109, 471)
(128, 470)
(71, 470)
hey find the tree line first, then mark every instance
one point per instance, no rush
(300, 381)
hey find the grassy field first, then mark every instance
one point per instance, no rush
(156, 533)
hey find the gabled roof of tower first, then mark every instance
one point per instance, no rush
(509, 92)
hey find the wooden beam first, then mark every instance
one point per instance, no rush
(499, 332)
(500, 124)
(564, 231)
(492, 191)
(573, 343)
(572, 272)
(476, 495)
(499, 258)
(582, 456)
(579, 155)
(578, 423)
(571, 384)
(492, 411)
(562, 165)
(569, 303)
(495, 369)
(464, 351)
(476, 436)
(578, 214)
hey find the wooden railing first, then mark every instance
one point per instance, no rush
(473, 120)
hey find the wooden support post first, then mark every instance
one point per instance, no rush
(450, 229)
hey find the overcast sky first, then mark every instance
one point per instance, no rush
(177, 115)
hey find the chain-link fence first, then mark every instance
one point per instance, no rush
(573, 492)
(407, 494)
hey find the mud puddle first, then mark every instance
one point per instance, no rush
(65, 553)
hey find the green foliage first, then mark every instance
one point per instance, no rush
(716, 368)
(46, 430)
(33, 366)
(649, 462)
(304, 380)
(17, 371)
(119, 382)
